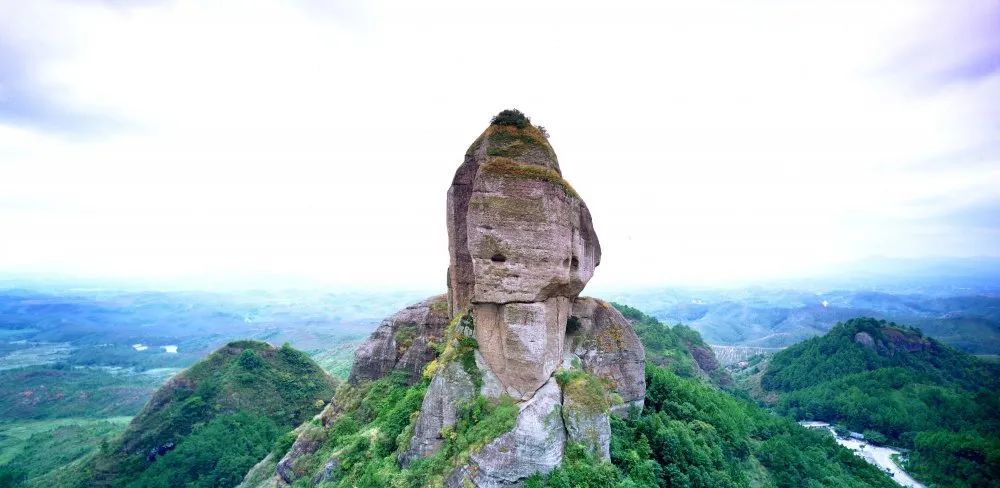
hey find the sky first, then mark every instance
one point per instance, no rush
(298, 143)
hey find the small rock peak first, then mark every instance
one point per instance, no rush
(511, 136)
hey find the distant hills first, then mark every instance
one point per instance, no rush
(764, 317)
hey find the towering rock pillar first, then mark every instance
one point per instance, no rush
(522, 247)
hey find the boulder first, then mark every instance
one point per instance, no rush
(590, 427)
(402, 341)
(608, 348)
(865, 340)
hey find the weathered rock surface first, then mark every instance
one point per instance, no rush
(609, 348)
(402, 342)
(865, 339)
(588, 427)
(517, 231)
(705, 358)
(309, 439)
(522, 342)
(534, 446)
(450, 387)
(522, 247)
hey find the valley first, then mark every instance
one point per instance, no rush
(70, 382)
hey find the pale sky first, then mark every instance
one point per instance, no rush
(308, 142)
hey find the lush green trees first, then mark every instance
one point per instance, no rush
(694, 435)
(218, 453)
(900, 388)
(223, 415)
(672, 347)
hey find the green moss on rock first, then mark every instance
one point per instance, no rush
(508, 168)
(587, 392)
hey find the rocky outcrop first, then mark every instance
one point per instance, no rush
(522, 342)
(522, 246)
(865, 340)
(402, 342)
(534, 446)
(705, 358)
(450, 388)
(608, 348)
(587, 426)
(310, 438)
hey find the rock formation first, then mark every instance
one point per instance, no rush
(512, 328)
(522, 247)
(402, 342)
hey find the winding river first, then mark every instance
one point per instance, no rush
(878, 455)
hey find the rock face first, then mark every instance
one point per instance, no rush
(534, 446)
(522, 246)
(402, 341)
(608, 348)
(588, 427)
(450, 387)
(865, 339)
(522, 342)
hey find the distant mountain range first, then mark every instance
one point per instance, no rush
(956, 301)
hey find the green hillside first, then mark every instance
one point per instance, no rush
(679, 348)
(900, 387)
(209, 424)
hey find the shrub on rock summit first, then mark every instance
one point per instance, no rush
(512, 117)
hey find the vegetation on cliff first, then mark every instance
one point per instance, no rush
(897, 386)
(364, 442)
(691, 434)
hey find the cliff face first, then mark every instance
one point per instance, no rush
(522, 247)
(403, 341)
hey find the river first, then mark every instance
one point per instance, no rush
(878, 455)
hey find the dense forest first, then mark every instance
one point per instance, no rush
(899, 387)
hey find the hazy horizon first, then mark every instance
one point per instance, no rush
(716, 143)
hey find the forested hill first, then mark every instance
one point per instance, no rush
(900, 387)
(209, 424)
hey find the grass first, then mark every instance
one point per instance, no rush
(587, 391)
(31, 449)
(509, 168)
(513, 142)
